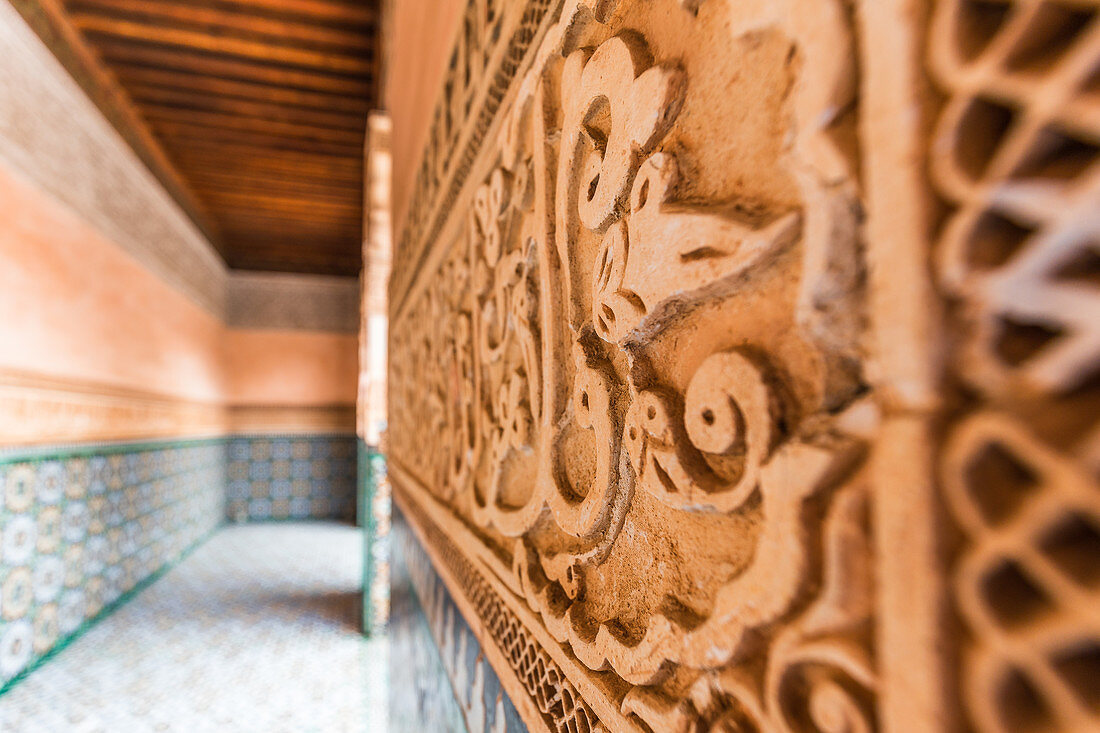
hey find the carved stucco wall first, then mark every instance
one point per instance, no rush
(744, 361)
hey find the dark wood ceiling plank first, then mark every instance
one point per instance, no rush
(96, 26)
(229, 170)
(218, 21)
(303, 247)
(217, 121)
(175, 131)
(153, 97)
(308, 260)
(228, 179)
(309, 267)
(133, 76)
(316, 210)
(245, 163)
(250, 220)
(336, 12)
(317, 202)
(192, 61)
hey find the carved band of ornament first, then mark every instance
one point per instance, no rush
(447, 160)
(1017, 162)
(37, 409)
(632, 405)
(818, 674)
(556, 699)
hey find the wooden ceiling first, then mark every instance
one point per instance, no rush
(254, 113)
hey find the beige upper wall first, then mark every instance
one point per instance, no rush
(423, 34)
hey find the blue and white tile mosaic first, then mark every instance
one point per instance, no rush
(374, 517)
(291, 477)
(80, 529)
(439, 677)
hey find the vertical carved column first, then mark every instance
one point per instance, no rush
(905, 334)
(377, 261)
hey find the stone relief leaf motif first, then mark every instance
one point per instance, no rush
(818, 676)
(712, 457)
(598, 374)
(664, 253)
(622, 106)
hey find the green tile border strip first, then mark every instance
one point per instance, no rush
(39, 453)
(365, 518)
(107, 610)
(32, 453)
(436, 654)
(371, 471)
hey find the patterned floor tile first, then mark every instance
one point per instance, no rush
(255, 631)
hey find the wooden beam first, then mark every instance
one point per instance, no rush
(285, 30)
(153, 97)
(272, 164)
(229, 178)
(261, 245)
(230, 169)
(335, 12)
(313, 209)
(253, 217)
(342, 269)
(174, 132)
(133, 76)
(98, 26)
(192, 61)
(218, 121)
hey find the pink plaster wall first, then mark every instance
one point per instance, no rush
(74, 305)
(291, 368)
(423, 34)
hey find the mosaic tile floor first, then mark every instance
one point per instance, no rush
(256, 631)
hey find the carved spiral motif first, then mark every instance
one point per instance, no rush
(730, 413)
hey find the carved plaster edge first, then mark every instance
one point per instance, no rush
(299, 302)
(438, 531)
(413, 255)
(36, 409)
